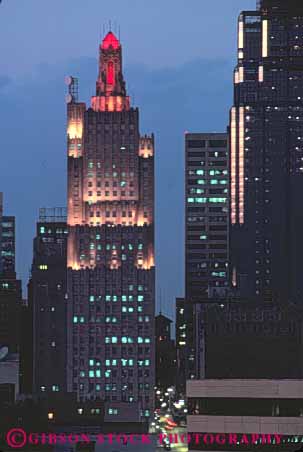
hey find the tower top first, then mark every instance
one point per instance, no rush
(110, 87)
(110, 41)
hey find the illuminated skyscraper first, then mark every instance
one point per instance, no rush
(266, 154)
(110, 246)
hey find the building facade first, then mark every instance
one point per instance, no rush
(180, 346)
(266, 154)
(8, 244)
(111, 275)
(260, 340)
(10, 286)
(206, 226)
(245, 414)
(47, 304)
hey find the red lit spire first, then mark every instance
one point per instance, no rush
(110, 40)
(110, 88)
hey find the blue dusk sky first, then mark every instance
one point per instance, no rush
(178, 63)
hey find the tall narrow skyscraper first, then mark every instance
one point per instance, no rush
(206, 230)
(47, 302)
(10, 286)
(111, 275)
(266, 154)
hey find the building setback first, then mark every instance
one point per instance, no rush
(47, 304)
(110, 247)
(206, 226)
(266, 154)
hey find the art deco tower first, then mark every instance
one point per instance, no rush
(266, 154)
(110, 246)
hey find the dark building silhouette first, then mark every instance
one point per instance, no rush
(10, 304)
(181, 340)
(110, 246)
(26, 346)
(240, 339)
(266, 154)
(47, 302)
(165, 353)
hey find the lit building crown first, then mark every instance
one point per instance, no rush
(110, 88)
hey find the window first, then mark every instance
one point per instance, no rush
(218, 143)
(196, 143)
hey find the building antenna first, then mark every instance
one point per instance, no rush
(110, 25)
(160, 301)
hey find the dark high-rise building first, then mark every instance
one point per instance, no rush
(10, 302)
(110, 246)
(206, 226)
(266, 154)
(10, 287)
(165, 353)
(47, 302)
(26, 346)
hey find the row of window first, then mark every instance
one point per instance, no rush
(108, 193)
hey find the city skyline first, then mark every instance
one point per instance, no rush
(46, 87)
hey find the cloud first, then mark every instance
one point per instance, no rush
(194, 97)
